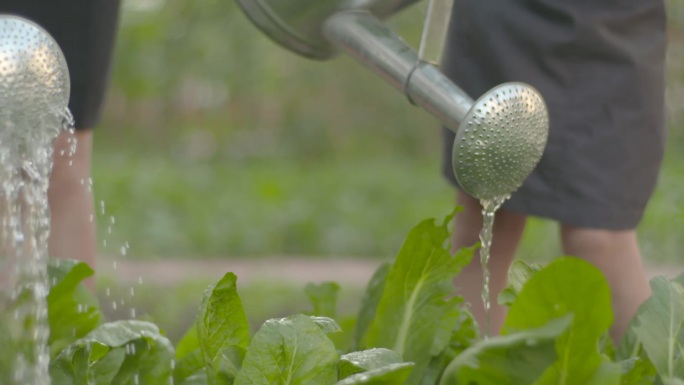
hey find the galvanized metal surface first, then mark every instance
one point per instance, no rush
(34, 77)
(371, 43)
(500, 141)
(297, 24)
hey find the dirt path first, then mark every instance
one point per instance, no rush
(346, 271)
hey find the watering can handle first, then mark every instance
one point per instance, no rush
(435, 30)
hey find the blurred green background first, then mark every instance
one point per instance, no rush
(218, 143)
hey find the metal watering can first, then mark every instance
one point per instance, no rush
(500, 137)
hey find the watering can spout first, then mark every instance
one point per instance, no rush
(500, 137)
(364, 37)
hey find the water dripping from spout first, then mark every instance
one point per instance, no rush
(489, 208)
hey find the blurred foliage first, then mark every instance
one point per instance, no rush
(216, 141)
(186, 72)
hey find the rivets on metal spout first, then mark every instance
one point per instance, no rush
(500, 141)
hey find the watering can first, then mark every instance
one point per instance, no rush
(500, 137)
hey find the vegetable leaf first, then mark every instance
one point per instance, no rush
(464, 334)
(519, 273)
(328, 325)
(658, 325)
(228, 364)
(222, 321)
(393, 374)
(370, 301)
(188, 344)
(518, 358)
(72, 310)
(363, 361)
(323, 297)
(121, 353)
(188, 366)
(566, 286)
(415, 298)
(289, 351)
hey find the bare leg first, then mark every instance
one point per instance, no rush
(617, 255)
(508, 230)
(72, 232)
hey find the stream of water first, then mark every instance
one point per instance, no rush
(25, 165)
(489, 208)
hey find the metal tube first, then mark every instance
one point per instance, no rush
(369, 41)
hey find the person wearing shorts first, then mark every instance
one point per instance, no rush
(599, 64)
(85, 31)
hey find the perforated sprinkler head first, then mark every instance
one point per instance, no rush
(500, 141)
(33, 72)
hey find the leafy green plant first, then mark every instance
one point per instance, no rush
(411, 329)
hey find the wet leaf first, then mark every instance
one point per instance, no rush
(289, 351)
(328, 325)
(116, 353)
(366, 360)
(393, 374)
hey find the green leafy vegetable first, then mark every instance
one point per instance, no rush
(659, 327)
(190, 365)
(363, 361)
(518, 275)
(222, 327)
(393, 374)
(465, 332)
(328, 325)
(228, 363)
(289, 351)
(72, 310)
(415, 299)
(567, 286)
(370, 301)
(189, 343)
(323, 297)
(221, 320)
(518, 358)
(117, 353)
(637, 371)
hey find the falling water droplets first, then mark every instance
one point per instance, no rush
(489, 208)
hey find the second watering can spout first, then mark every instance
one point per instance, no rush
(500, 137)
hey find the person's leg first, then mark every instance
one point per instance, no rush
(617, 255)
(508, 230)
(72, 227)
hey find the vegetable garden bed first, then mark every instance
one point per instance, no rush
(411, 328)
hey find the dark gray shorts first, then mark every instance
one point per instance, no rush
(600, 66)
(85, 31)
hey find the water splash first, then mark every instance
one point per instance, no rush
(34, 93)
(489, 208)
